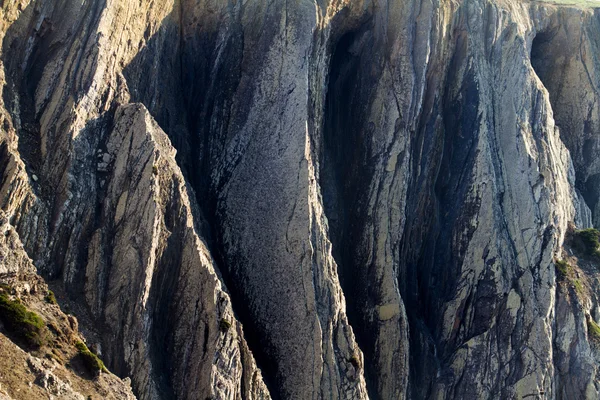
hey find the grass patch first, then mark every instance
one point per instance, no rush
(54, 329)
(52, 356)
(574, 3)
(55, 355)
(562, 268)
(564, 272)
(224, 325)
(578, 286)
(50, 298)
(91, 361)
(26, 326)
(593, 329)
(587, 242)
(355, 361)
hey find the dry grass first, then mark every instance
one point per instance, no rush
(63, 351)
(574, 3)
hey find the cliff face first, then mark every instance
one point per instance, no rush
(45, 364)
(377, 191)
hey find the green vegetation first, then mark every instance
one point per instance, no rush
(562, 268)
(593, 329)
(586, 241)
(578, 286)
(26, 326)
(91, 361)
(355, 361)
(574, 3)
(224, 325)
(564, 272)
(50, 298)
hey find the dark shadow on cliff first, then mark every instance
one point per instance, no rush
(190, 98)
(30, 45)
(345, 176)
(174, 76)
(22, 78)
(437, 208)
(25, 61)
(553, 58)
(437, 204)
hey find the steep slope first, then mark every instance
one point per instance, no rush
(383, 187)
(52, 368)
(122, 240)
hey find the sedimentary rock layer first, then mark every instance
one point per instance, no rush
(377, 191)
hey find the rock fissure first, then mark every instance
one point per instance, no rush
(378, 192)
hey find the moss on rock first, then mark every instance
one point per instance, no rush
(25, 326)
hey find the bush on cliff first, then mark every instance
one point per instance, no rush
(593, 330)
(90, 360)
(50, 297)
(562, 268)
(25, 326)
(587, 241)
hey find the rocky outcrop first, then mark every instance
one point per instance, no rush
(377, 191)
(563, 54)
(174, 319)
(52, 369)
(116, 223)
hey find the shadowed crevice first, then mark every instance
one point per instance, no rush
(345, 176)
(192, 103)
(555, 60)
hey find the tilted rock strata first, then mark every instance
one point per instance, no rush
(43, 372)
(122, 239)
(400, 171)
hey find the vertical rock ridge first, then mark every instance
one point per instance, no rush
(375, 156)
(119, 190)
(291, 287)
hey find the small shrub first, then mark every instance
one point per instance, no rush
(91, 361)
(52, 356)
(155, 169)
(593, 329)
(578, 286)
(587, 241)
(56, 355)
(54, 329)
(562, 268)
(26, 326)
(50, 298)
(355, 361)
(224, 325)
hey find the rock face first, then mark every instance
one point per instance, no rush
(377, 191)
(52, 370)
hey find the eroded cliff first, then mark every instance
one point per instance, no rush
(378, 191)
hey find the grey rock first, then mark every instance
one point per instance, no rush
(379, 190)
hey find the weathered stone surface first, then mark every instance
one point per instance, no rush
(383, 188)
(151, 278)
(43, 372)
(118, 230)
